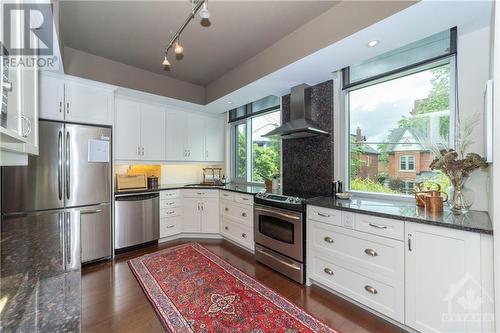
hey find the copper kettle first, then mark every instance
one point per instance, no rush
(423, 189)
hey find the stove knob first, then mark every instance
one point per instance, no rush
(297, 200)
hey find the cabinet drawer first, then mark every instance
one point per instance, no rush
(246, 199)
(237, 233)
(380, 226)
(227, 195)
(170, 226)
(240, 213)
(200, 193)
(385, 297)
(170, 194)
(378, 255)
(170, 212)
(326, 215)
(170, 203)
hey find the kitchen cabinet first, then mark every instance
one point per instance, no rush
(170, 213)
(75, 100)
(193, 137)
(236, 211)
(214, 139)
(139, 131)
(200, 211)
(443, 279)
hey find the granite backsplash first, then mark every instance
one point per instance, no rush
(308, 162)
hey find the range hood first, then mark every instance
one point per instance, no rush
(300, 125)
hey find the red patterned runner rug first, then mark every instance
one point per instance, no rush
(194, 290)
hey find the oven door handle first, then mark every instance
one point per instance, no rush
(278, 213)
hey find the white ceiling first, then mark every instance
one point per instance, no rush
(416, 22)
(136, 32)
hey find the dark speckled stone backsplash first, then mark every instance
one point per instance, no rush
(308, 162)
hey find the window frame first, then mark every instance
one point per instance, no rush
(341, 119)
(249, 143)
(407, 163)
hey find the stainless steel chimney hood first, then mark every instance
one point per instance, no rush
(300, 125)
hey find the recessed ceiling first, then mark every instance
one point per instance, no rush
(135, 33)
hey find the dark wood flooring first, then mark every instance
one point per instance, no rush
(113, 301)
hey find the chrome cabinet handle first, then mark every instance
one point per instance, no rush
(226, 209)
(170, 226)
(206, 154)
(226, 228)
(142, 151)
(68, 166)
(28, 125)
(60, 106)
(200, 193)
(171, 212)
(67, 107)
(60, 164)
(328, 239)
(198, 206)
(328, 271)
(371, 290)
(139, 151)
(377, 226)
(409, 243)
(226, 195)
(202, 206)
(371, 252)
(244, 235)
(244, 199)
(323, 215)
(244, 214)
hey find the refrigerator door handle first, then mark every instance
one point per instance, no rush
(62, 237)
(72, 240)
(59, 165)
(68, 166)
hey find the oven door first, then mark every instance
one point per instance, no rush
(279, 230)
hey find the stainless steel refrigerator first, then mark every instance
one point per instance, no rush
(55, 214)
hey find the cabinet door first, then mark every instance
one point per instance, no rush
(51, 98)
(127, 130)
(85, 103)
(214, 141)
(196, 138)
(191, 212)
(442, 278)
(210, 215)
(175, 135)
(152, 133)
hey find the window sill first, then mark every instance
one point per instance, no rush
(386, 196)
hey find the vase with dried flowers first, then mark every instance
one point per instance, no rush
(458, 165)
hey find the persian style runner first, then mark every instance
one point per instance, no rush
(193, 290)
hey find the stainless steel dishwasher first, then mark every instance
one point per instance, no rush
(137, 219)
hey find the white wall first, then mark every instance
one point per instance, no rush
(473, 61)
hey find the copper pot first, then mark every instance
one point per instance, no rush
(434, 201)
(422, 190)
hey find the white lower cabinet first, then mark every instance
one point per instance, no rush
(170, 213)
(236, 211)
(446, 280)
(429, 278)
(201, 211)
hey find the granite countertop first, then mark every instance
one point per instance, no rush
(474, 221)
(254, 189)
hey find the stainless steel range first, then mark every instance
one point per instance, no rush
(279, 233)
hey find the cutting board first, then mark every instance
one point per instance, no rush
(128, 182)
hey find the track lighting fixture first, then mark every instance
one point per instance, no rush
(174, 41)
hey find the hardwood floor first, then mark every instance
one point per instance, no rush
(113, 301)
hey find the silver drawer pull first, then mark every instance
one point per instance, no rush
(377, 226)
(171, 203)
(226, 228)
(171, 212)
(328, 239)
(226, 195)
(244, 199)
(371, 290)
(244, 235)
(226, 209)
(244, 214)
(328, 271)
(170, 226)
(323, 215)
(200, 193)
(371, 252)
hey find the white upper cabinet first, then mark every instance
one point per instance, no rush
(443, 279)
(76, 101)
(194, 137)
(152, 132)
(139, 131)
(175, 135)
(127, 130)
(214, 142)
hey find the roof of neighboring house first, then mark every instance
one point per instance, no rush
(364, 149)
(396, 136)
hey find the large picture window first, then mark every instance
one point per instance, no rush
(394, 118)
(256, 157)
